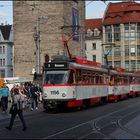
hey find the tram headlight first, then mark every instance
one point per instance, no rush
(63, 94)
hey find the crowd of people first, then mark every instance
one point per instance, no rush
(22, 96)
(31, 92)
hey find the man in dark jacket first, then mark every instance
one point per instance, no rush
(34, 92)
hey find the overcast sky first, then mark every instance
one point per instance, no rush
(94, 9)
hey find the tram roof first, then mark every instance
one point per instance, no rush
(79, 63)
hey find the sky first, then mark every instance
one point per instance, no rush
(94, 9)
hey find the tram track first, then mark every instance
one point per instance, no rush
(126, 128)
(103, 122)
(115, 124)
(102, 127)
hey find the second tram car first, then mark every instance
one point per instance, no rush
(75, 82)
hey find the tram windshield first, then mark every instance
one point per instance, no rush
(58, 77)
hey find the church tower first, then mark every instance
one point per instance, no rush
(38, 24)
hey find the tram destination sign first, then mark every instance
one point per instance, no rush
(57, 65)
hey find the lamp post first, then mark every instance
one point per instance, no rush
(107, 53)
(37, 41)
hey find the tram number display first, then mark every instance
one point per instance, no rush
(56, 65)
(55, 92)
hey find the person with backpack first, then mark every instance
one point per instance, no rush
(17, 108)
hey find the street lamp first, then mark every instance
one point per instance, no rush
(37, 41)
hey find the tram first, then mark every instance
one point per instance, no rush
(75, 82)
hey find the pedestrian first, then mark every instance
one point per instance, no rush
(39, 93)
(4, 99)
(34, 91)
(17, 105)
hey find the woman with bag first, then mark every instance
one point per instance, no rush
(17, 108)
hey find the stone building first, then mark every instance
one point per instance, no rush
(44, 18)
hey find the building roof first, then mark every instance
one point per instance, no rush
(93, 23)
(122, 12)
(5, 30)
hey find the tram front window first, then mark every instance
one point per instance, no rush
(57, 77)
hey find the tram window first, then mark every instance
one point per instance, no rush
(97, 79)
(131, 80)
(79, 76)
(56, 77)
(126, 81)
(111, 80)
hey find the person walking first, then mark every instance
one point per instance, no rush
(17, 105)
(4, 99)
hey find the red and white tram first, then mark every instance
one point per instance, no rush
(75, 82)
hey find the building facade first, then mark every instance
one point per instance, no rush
(121, 35)
(6, 51)
(38, 24)
(93, 40)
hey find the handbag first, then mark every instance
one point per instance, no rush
(12, 109)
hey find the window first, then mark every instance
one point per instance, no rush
(96, 32)
(117, 36)
(126, 50)
(117, 51)
(133, 50)
(79, 76)
(0, 49)
(138, 50)
(117, 64)
(133, 65)
(117, 33)
(138, 65)
(108, 34)
(138, 35)
(93, 46)
(58, 77)
(94, 58)
(0, 62)
(132, 26)
(3, 49)
(2, 73)
(89, 32)
(127, 65)
(126, 26)
(138, 31)
(130, 32)
(108, 37)
(3, 62)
